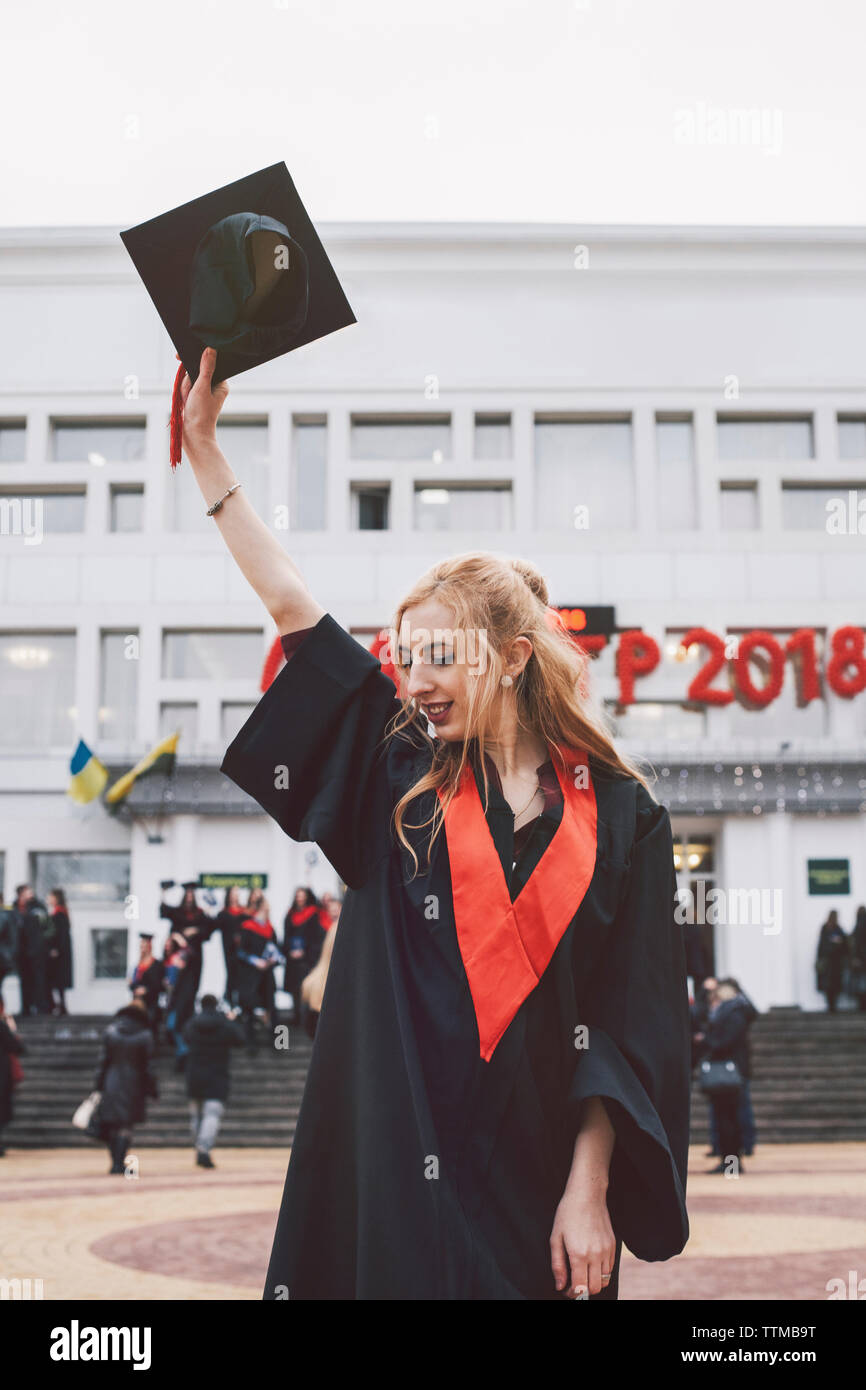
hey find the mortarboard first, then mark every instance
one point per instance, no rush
(240, 270)
(190, 883)
(145, 936)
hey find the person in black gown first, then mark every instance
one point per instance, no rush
(498, 1092)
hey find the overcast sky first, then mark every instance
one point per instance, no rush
(624, 111)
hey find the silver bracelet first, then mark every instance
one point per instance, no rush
(216, 506)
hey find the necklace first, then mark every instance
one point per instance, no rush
(518, 814)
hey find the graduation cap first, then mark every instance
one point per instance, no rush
(240, 270)
(145, 936)
(190, 883)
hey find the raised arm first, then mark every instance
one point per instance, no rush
(257, 552)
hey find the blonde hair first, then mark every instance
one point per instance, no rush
(496, 598)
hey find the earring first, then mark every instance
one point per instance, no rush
(506, 681)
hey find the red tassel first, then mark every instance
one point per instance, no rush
(176, 421)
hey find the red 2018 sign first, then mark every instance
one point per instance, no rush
(845, 671)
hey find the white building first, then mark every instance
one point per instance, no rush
(698, 392)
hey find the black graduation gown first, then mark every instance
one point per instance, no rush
(420, 1170)
(182, 1002)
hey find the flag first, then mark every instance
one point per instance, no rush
(159, 759)
(88, 774)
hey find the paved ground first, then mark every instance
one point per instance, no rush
(794, 1220)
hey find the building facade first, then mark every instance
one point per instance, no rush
(667, 421)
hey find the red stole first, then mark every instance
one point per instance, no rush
(506, 946)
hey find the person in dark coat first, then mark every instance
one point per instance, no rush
(125, 1079)
(194, 926)
(10, 1046)
(147, 979)
(727, 1041)
(858, 958)
(303, 934)
(210, 1036)
(32, 950)
(228, 924)
(830, 960)
(59, 950)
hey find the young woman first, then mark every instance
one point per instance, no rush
(11, 1047)
(498, 1092)
(257, 956)
(59, 951)
(228, 924)
(303, 933)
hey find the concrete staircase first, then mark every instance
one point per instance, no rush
(809, 1085)
(808, 1078)
(264, 1092)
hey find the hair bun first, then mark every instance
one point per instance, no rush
(530, 575)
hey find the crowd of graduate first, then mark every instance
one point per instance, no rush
(34, 942)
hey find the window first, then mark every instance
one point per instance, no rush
(493, 437)
(109, 946)
(118, 685)
(42, 511)
(92, 441)
(245, 445)
(807, 506)
(584, 463)
(37, 683)
(765, 439)
(459, 507)
(126, 509)
(310, 460)
(400, 438)
(211, 654)
(96, 877)
(233, 716)
(677, 504)
(13, 442)
(370, 507)
(852, 436)
(738, 506)
(180, 718)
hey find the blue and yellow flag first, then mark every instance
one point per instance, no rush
(88, 774)
(159, 759)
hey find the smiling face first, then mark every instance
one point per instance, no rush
(433, 658)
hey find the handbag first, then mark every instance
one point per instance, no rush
(84, 1115)
(717, 1076)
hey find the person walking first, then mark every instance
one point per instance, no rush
(59, 951)
(210, 1036)
(11, 1048)
(501, 1064)
(727, 1041)
(125, 1079)
(830, 960)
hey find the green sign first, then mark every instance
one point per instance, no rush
(829, 876)
(232, 880)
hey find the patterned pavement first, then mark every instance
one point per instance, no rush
(793, 1221)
